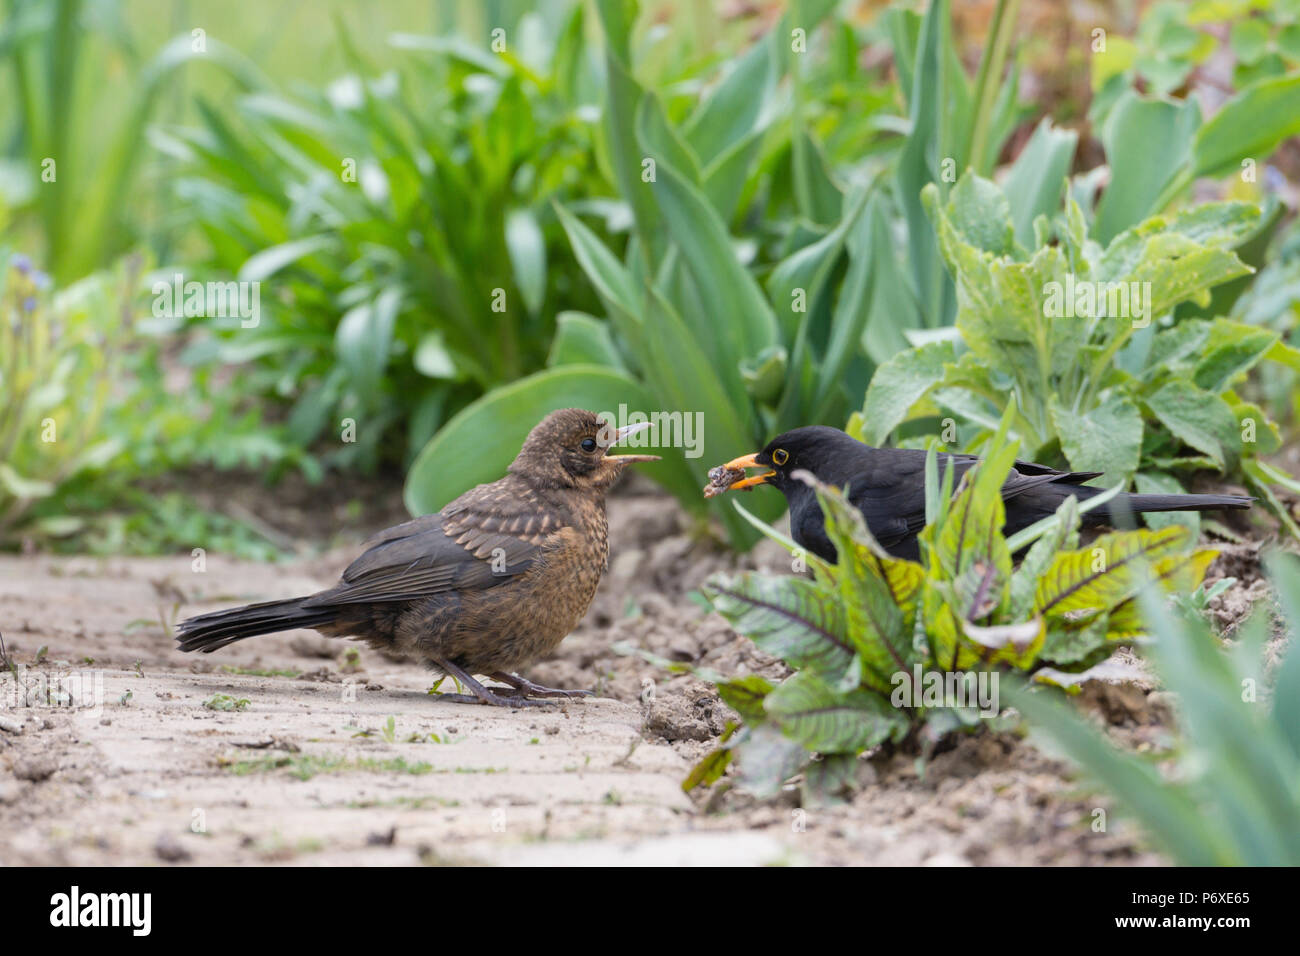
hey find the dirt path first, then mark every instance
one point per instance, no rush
(308, 768)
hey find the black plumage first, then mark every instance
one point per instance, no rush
(888, 486)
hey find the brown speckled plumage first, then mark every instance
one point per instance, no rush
(488, 585)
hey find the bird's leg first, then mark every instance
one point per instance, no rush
(526, 688)
(480, 694)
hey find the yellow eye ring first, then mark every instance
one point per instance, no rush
(780, 456)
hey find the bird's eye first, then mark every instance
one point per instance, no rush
(780, 456)
(589, 445)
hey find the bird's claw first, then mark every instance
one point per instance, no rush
(523, 687)
(495, 700)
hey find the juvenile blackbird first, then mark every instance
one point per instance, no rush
(888, 486)
(488, 585)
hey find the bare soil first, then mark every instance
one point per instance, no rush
(297, 749)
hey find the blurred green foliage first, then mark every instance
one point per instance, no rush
(400, 225)
(448, 212)
(1231, 791)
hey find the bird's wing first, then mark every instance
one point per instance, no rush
(480, 540)
(892, 496)
(1064, 477)
(890, 492)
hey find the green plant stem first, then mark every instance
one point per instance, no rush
(1001, 29)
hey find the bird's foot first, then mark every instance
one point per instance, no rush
(494, 700)
(482, 695)
(523, 687)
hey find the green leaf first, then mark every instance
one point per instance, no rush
(681, 376)
(745, 695)
(1248, 126)
(709, 770)
(432, 358)
(1199, 419)
(582, 339)
(613, 282)
(527, 250)
(724, 286)
(271, 260)
(1231, 349)
(1105, 438)
(364, 337)
(899, 384)
(768, 758)
(877, 592)
(818, 718)
(1036, 180)
(981, 216)
(1139, 174)
(733, 110)
(1249, 39)
(479, 443)
(792, 618)
(1100, 577)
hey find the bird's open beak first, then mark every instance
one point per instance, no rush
(624, 432)
(751, 481)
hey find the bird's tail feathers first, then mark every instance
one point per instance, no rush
(1183, 502)
(208, 632)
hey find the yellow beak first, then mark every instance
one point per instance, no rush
(752, 481)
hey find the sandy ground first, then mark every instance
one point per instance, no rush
(333, 753)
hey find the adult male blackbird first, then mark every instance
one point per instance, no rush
(888, 486)
(486, 586)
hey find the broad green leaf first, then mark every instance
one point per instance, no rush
(768, 758)
(899, 384)
(866, 578)
(745, 695)
(582, 339)
(709, 770)
(682, 377)
(1105, 438)
(1014, 644)
(875, 289)
(612, 281)
(1139, 174)
(1101, 576)
(1230, 349)
(1024, 580)
(792, 618)
(1248, 126)
(820, 719)
(734, 108)
(981, 216)
(1198, 418)
(364, 337)
(432, 358)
